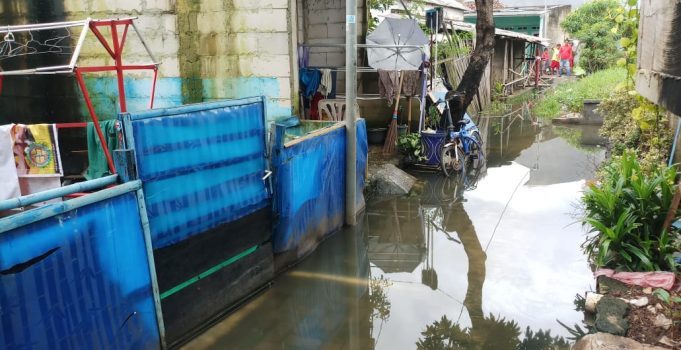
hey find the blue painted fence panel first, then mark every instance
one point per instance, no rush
(201, 165)
(78, 280)
(309, 186)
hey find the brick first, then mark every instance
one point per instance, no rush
(325, 16)
(260, 4)
(317, 31)
(284, 87)
(213, 22)
(275, 20)
(265, 66)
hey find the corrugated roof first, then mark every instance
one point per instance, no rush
(447, 3)
(469, 27)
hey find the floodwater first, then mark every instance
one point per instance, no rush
(484, 262)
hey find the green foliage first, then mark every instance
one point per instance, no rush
(569, 97)
(433, 118)
(456, 45)
(410, 146)
(492, 333)
(378, 299)
(625, 212)
(381, 5)
(627, 19)
(633, 123)
(592, 24)
(665, 297)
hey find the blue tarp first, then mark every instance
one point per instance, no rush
(202, 165)
(309, 186)
(78, 280)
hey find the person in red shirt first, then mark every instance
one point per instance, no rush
(565, 56)
(545, 60)
(572, 56)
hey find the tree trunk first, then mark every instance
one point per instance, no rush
(484, 46)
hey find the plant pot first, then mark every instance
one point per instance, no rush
(432, 144)
(402, 129)
(376, 136)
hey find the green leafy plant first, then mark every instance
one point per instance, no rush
(632, 123)
(625, 212)
(433, 118)
(665, 297)
(592, 24)
(410, 146)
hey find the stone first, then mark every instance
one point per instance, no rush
(662, 321)
(640, 302)
(604, 341)
(608, 285)
(591, 301)
(669, 342)
(651, 309)
(610, 317)
(391, 180)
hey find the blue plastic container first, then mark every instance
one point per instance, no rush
(432, 144)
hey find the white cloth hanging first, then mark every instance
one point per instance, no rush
(9, 181)
(326, 83)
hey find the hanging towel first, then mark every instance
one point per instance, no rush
(36, 149)
(98, 166)
(303, 56)
(411, 83)
(326, 82)
(309, 81)
(9, 182)
(387, 84)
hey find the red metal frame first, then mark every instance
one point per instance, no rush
(116, 52)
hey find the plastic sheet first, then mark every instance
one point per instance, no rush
(79, 280)
(657, 279)
(201, 165)
(309, 181)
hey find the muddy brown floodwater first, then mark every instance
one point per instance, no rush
(484, 262)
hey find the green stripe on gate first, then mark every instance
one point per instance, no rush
(208, 272)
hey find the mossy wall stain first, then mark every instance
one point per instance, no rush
(188, 54)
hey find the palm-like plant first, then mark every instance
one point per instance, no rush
(626, 213)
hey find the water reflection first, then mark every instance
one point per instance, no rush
(483, 261)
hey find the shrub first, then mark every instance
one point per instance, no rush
(626, 211)
(592, 24)
(633, 123)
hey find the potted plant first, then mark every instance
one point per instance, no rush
(410, 146)
(433, 137)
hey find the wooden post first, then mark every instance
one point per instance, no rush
(505, 59)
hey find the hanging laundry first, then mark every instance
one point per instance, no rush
(98, 166)
(314, 106)
(412, 82)
(9, 182)
(36, 149)
(387, 84)
(326, 82)
(303, 56)
(309, 81)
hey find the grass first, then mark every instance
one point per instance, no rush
(570, 96)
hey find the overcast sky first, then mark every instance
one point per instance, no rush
(574, 3)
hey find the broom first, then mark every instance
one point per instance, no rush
(391, 138)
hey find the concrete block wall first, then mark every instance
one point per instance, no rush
(208, 50)
(323, 22)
